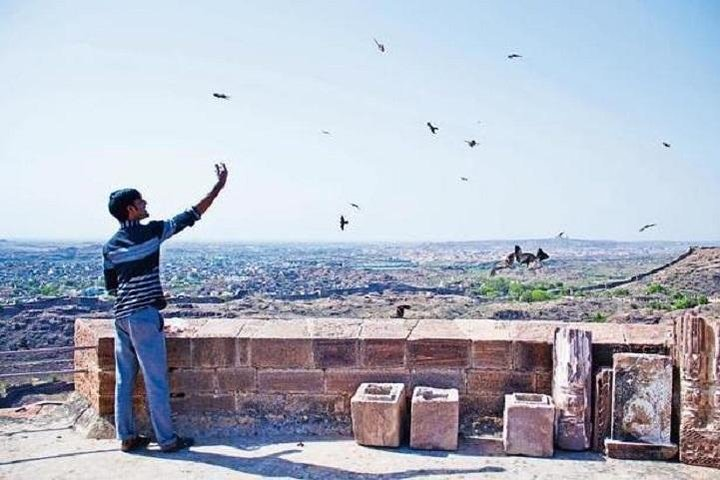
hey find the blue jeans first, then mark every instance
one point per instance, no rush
(140, 342)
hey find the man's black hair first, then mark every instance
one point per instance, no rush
(120, 200)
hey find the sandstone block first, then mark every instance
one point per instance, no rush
(572, 375)
(213, 352)
(236, 379)
(528, 426)
(335, 352)
(281, 352)
(347, 380)
(642, 398)
(531, 356)
(383, 352)
(378, 413)
(492, 354)
(639, 451)
(290, 381)
(434, 419)
(698, 359)
(498, 382)
(602, 409)
(439, 353)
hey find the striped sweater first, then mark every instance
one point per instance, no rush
(131, 262)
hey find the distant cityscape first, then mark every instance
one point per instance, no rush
(33, 270)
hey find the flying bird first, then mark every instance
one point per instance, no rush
(400, 310)
(300, 444)
(649, 225)
(561, 235)
(464, 179)
(513, 56)
(666, 144)
(325, 132)
(221, 95)
(343, 222)
(380, 46)
(432, 128)
(471, 143)
(355, 205)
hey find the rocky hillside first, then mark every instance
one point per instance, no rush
(698, 273)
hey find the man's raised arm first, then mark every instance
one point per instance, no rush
(179, 222)
(205, 203)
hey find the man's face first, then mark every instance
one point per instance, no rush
(137, 210)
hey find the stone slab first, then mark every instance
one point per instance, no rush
(639, 451)
(602, 408)
(642, 398)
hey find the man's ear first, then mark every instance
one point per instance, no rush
(131, 209)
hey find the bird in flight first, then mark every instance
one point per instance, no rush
(343, 222)
(464, 179)
(380, 46)
(666, 144)
(355, 205)
(300, 444)
(325, 132)
(432, 128)
(472, 143)
(649, 225)
(400, 310)
(561, 235)
(513, 56)
(221, 95)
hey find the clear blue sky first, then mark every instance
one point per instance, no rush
(99, 95)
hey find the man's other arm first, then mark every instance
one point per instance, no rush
(111, 280)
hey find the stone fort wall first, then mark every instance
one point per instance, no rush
(251, 375)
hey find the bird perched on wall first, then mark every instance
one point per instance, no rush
(649, 225)
(472, 143)
(513, 56)
(343, 222)
(432, 128)
(400, 310)
(380, 46)
(222, 96)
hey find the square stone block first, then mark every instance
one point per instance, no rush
(642, 398)
(529, 425)
(435, 414)
(378, 413)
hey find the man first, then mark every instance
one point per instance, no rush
(132, 273)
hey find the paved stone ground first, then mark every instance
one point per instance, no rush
(35, 444)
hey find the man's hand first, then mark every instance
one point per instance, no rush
(222, 173)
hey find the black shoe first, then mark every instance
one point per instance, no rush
(180, 443)
(134, 443)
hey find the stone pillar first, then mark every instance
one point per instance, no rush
(698, 352)
(571, 388)
(602, 410)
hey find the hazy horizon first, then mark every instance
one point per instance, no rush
(99, 96)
